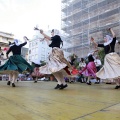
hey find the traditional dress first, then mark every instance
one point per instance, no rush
(36, 74)
(74, 71)
(1, 56)
(111, 68)
(98, 66)
(90, 69)
(57, 64)
(82, 65)
(15, 64)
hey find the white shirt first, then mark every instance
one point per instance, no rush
(82, 64)
(97, 62)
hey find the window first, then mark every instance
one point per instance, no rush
(30, 44)
(29, 51)
(33, 57)
(33, 44)
(36, 56)
(36, 43)
(43, 42)
(36, 50)
(43, 50)
(30, 57)
(42, 57)
(33, 51)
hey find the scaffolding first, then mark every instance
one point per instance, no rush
(82, 19)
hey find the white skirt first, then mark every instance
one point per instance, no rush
(111, 68)
(56, 62)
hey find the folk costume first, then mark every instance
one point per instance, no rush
(90, 69)
(57, 64)
(111, 68)
(36, 74)
(15, 64)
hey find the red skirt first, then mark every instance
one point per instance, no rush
(36, 72)
(74, 71)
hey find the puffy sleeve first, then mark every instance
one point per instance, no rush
(52, 39)
(23, 44)
(10, 49)
(113, 41)
(100, 45)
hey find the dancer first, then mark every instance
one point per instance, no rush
(15, 64)
(90, 69)
(36, 74)
(111, 68)
(1, 55)
(72, 59)
(57, 64)
(82, 64)
(98, 66)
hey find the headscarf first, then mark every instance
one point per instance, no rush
(16, 42)
(56, 32)
(10, 44)
(109, 40)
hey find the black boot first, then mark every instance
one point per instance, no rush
(97, 82)
(63, 86)
(58, 86)
(89, 83)
(117, 87)
(13, 85)
(8, 83)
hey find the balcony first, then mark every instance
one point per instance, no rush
(5, 38)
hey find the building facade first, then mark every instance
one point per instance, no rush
(82, 19)
(38, 50)
(5, 38)
(24, 53)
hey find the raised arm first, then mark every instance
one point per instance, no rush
(25, 41)
(81, 71)
(93, 41)
(112, 32)
(8, 52)
(41, 31)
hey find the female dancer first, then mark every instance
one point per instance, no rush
(82, 65)
(36, 74)
(57, 64)
(1, 55)
(15, 64)
(111, 68)
(90, 69)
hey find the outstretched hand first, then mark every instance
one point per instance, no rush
(41, 31)
(35, 28)
(108, 29)
(25, 38)
(96, 50)
(92, 39)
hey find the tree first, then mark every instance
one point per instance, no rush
(74, 61)
(101, 54)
